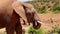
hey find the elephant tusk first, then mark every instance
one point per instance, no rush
(39, 21)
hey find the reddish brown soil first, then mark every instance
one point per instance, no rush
(46, 20)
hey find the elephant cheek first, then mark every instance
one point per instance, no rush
(36, 26)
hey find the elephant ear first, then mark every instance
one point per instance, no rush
(17, 6)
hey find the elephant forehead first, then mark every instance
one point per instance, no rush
(29, 10)
(28, 5)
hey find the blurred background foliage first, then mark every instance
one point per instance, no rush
(33, 31)
(56, 30)
(45, 6)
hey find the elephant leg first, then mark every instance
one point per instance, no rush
(18, 28)
(16, 22)
(10, 29)
(9, 25)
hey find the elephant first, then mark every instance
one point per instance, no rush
(29, 14)
(11, 13)
(9, 19)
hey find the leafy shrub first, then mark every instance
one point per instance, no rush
(56, 9)
(42, 10)
(33, 31)
(39, 9)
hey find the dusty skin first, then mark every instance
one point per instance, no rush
(10, 16)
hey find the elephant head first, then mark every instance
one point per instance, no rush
(32, 16)
(27, 13)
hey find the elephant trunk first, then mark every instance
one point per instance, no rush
(36, 24)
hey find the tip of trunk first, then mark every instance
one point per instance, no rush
(37, 26)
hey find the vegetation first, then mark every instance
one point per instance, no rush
(33, 31)
(55, 8)
(56, 30)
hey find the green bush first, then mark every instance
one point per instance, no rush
(33, 31)
(56, 9)
(42, 10)
(39, 9)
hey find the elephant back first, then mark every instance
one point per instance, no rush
(5, 6)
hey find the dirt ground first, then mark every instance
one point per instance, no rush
(47, 18)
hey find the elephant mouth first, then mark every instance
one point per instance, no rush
(36, 25)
